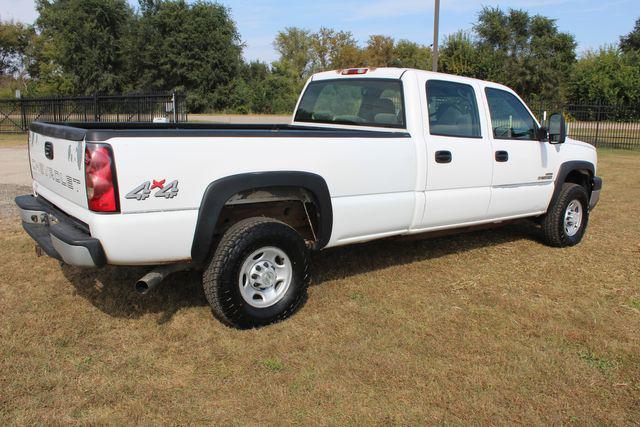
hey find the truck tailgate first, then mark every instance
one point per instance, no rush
(58, 165)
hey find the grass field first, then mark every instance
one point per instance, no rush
(485, 328)
(13, 140)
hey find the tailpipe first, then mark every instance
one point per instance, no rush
(153, 278)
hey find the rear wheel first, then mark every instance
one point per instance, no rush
(566, 220)
(258, 275)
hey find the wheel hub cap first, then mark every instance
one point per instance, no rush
(265, 276)
(573, 218)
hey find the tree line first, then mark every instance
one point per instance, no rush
(79, 47)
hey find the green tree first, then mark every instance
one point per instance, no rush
(294, 46)
(459, 55)
(193, 48)
(149, 6)
(525, 52)
(16, 58)
(407, 54)
(282, 92)
(606, 75)
(81, 50)
(15, 39)
(303, 53)
(331, 49)
(260, 89)
(379, 51)
(631, 42)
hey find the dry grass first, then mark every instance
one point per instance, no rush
(13, 140)
(487, 328)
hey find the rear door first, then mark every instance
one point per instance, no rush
(57, 164)
(522, 174)
(459, 164)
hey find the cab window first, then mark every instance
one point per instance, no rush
(509, 117)
(453, 110)
(360, 102)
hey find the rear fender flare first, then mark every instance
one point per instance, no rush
(220, 191)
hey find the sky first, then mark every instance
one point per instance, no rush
(593, 22)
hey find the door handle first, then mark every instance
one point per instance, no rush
(502, 156)
(443, 157)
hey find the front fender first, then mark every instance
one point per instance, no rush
(564, 170)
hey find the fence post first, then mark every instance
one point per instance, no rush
(95, 108)
(23, 115)
(175, 114)
(595, 142)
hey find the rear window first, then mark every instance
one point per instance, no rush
(361, 102)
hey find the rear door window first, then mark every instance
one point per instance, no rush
(360, 102)
(453, 110)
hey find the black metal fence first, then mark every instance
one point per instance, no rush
(17, 114)
(607, 126)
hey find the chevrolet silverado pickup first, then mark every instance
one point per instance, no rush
(369, 153)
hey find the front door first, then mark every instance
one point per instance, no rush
(458, 151)
(522, 174)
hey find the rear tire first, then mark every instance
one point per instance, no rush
(566, 220)
(259, 273)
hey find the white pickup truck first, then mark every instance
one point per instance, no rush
(370, 153)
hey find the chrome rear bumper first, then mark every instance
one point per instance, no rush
(59, 235)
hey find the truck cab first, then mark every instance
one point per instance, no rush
(480, 153)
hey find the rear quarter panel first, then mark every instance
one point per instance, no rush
(371, 182)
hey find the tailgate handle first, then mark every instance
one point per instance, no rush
(48, 150)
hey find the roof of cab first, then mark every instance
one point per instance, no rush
(396, 73)
(372, 72)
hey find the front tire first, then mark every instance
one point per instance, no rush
(567, 219)
(259, 273)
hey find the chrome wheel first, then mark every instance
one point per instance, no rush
(573, 218)
(265, 277)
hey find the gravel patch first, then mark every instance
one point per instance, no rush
(8, 209)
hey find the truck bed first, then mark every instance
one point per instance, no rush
(95, 131)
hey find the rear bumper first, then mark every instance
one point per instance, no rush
(59, 236)
(596, 186)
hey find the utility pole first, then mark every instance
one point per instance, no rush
(436, 23)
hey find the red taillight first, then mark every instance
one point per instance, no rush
(100, 178)
(352, 71)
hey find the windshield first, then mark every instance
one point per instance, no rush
(361, 102)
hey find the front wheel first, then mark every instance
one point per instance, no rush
(566, 221)
(258, 275)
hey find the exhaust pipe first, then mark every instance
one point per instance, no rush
(153, 278)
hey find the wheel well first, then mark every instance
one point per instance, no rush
(580, 177)
(306, 190)
(296, 207)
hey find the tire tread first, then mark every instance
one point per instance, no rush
(227, 250)
(552, 224)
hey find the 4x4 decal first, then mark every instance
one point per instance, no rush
(143, 191)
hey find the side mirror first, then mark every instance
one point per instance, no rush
(557, 129)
